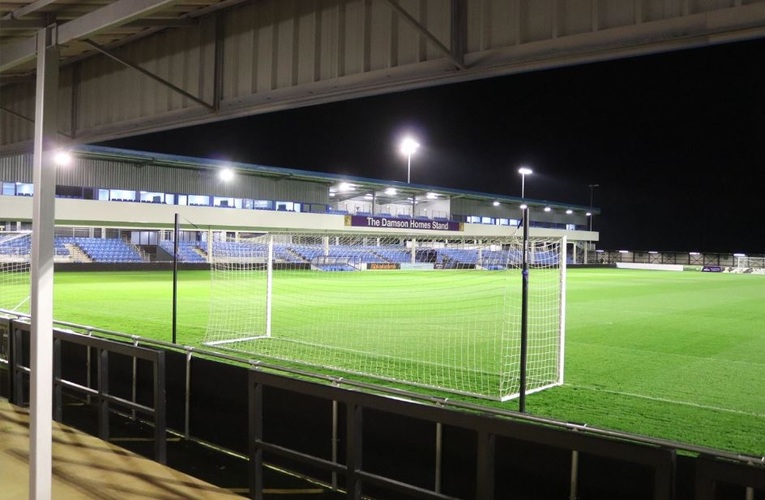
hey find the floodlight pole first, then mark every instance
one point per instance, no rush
(590, 216)
(592, 188)
(176, 233)
(409, 146)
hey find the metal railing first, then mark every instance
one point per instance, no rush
(492, 429)
(100, 391)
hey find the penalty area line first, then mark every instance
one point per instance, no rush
(673, 401)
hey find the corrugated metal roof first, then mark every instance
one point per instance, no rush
(361, 184)
(83, 26)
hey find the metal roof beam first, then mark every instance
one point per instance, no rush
(28, 9)
(17, 25)
(114, 14)
(457, 59)
(17, 115)
(151, 75)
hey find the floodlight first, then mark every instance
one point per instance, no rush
(226, 174)
(62, 158)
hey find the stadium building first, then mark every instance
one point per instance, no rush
(134, 196)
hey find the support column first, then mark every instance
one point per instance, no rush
(41, 271)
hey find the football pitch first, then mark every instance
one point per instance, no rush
(671, 355)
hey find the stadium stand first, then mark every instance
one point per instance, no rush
(188, 251)
(108, 250)
(14, 246)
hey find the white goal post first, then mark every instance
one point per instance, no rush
(431, 311)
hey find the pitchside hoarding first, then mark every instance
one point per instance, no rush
(401, 223)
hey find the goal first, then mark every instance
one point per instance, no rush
(435, 312)
(14, 271)
(746, 264)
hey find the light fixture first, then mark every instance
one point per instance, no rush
(390, 191)
(226, 174)
(62, 158)
(496, 203)
(548, 209)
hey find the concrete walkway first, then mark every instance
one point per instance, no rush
(86, 467)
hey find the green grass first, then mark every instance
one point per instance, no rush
(672, 355)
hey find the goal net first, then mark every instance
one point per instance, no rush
(14, 270)
(746, 264)
(435, 312)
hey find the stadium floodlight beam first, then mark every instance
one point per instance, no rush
(408, 147)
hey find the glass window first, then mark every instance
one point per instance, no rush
(220, 201)
(122, 195)
(199, 200)
(150, 197)
(24, 189)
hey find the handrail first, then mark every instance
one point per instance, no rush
(340, 381)
(103, 348)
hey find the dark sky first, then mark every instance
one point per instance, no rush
(676, 142)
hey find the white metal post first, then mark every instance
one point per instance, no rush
(269, 283)
(41, 270)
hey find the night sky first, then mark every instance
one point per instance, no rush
(676, 142)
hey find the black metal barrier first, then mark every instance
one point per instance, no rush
(490, 437)
(363, 440)
(101, 384)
